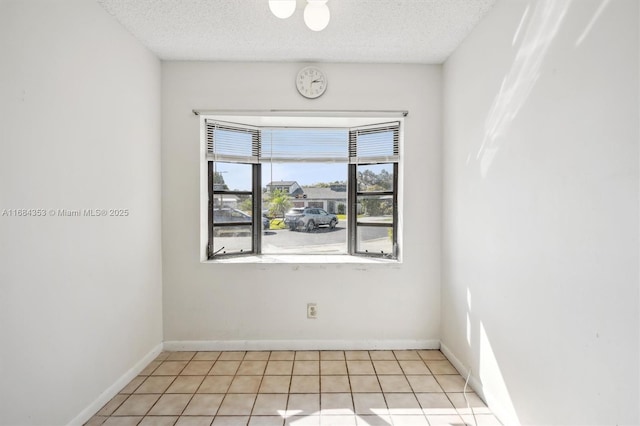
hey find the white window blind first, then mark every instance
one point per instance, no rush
(241, 143)
(378, 143)
(304, 145)
(232, 142)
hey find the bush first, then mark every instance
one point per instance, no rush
(277, 224)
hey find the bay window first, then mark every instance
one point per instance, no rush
(301, 190)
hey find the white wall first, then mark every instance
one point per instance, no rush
(540, 255)
(250, 303)
(80, 297)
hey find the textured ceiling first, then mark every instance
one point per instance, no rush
(379, 31)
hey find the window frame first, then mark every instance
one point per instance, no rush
(255, 254)
(354, 224)
(359, 155)
(256, 220)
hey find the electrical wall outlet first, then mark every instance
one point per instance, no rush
(312, 310)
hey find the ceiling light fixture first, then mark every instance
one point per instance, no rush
(316, 13)
(282, 8)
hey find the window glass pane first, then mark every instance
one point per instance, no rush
(375, 177)
(375, 240)
(232, 209)
(232, 201)
(375, 209)
(231, 239)
(289, 176)
(230, 215)
(232, 176)
(307, 207)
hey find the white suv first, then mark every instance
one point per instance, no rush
(309, 218)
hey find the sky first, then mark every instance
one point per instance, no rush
(238, 176)
(305, 174)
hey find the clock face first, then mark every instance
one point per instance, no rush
(311, 82)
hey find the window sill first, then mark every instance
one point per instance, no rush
(304, 259)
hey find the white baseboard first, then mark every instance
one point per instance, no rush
(476, 385)
(113, 390)
(297, 345)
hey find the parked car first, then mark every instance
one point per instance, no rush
(309, 218)
(229, 215)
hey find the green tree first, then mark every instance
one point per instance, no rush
(279, 202)
(371, 181)
(219, 180)
(246, 206)
(328, 184)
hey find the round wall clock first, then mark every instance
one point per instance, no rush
(311, 82)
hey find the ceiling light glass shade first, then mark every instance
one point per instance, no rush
(282, 8)
(317, 15)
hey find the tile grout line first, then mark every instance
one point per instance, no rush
(194, 393)
(203, 380)
(353, 402)
(163, 393)
(259, 385)
(235, 373)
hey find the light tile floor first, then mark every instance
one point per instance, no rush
(297, 388)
